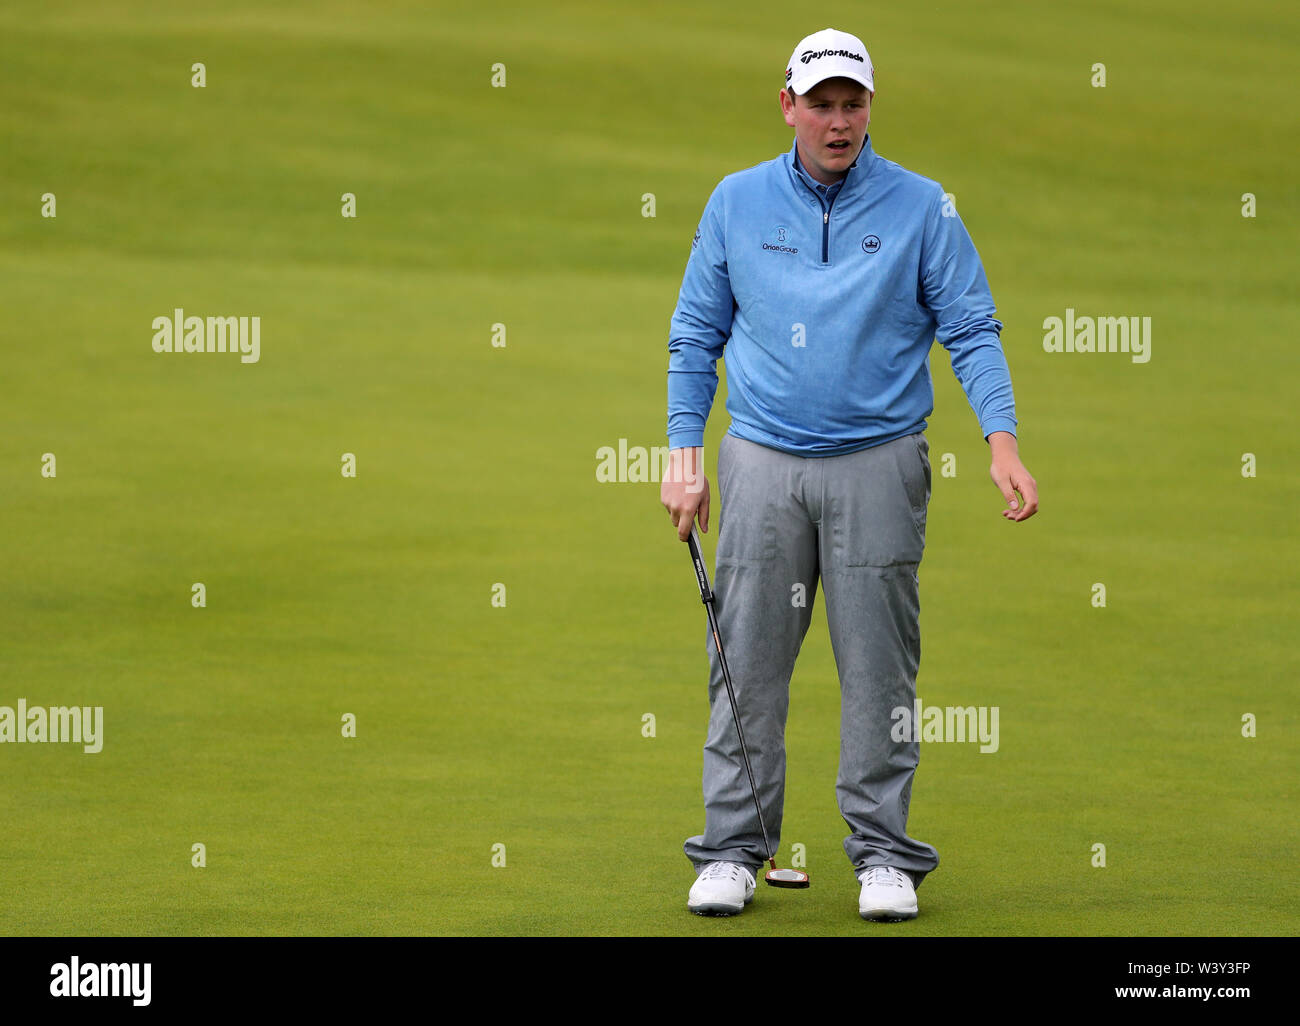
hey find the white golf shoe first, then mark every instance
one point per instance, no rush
(721, 889)
(887, 893)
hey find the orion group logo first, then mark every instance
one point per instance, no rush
(780, 236)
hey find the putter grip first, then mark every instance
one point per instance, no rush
(701, 572)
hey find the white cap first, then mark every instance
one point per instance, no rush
(829, 54)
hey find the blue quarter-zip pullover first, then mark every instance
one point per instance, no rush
(826, 301)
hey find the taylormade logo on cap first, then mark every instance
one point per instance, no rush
(808, 55)
(829, 54)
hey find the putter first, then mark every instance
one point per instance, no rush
(775, 877)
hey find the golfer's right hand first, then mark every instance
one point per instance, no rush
(685, 491)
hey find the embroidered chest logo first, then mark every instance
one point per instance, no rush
(778, 241)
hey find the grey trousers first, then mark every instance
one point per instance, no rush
(857, 522)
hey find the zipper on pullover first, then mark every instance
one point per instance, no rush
(826, 223)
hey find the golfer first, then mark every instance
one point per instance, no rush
(824, 276)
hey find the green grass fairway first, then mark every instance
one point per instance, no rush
(521, 725)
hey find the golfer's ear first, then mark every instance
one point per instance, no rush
(787, 107)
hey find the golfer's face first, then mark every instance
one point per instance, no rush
(830, 123)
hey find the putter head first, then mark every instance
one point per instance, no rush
(786, 878)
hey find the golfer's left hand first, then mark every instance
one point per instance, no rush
(1014, 482)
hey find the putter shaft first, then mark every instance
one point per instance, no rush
(706, 596)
